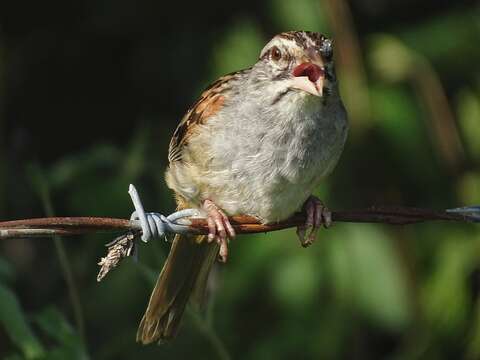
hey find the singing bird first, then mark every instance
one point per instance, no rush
(257, 142)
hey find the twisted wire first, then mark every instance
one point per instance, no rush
(155, 225)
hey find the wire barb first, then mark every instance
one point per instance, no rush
(471, 213)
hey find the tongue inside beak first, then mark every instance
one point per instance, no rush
(309, 77)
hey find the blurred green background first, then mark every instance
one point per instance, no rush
(90, 92)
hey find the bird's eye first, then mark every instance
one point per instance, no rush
(276, 53)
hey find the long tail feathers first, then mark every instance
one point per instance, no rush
(185, 270)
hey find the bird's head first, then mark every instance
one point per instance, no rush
(299, 61)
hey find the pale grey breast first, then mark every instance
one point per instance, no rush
(268, 165)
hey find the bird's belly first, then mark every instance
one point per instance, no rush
(271, 178)
(273, 198)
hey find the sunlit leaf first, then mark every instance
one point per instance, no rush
(69, 345)
(13, 357)
(52, 322)
(134, 161)
(259, 250)
(16, 326)
(468, 188)
(445, 296)
(295, 281)
(474, 341)
(6, 271)
(368, 276)
(447, 39)
(239, 48)
(397, 116)
(70, 167)
(298, 15)
(390, 58)
(469, 121)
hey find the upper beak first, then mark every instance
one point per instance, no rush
(309, 77)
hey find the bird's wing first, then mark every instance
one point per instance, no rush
(210, 103)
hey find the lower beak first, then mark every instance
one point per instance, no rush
(305, 84)
(309, 77)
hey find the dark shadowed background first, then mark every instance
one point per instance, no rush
(90, 92)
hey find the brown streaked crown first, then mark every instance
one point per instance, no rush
(304, 39)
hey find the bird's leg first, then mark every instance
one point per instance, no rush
(219, 227)
(317, 215)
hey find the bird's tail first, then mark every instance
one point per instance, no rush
(185, 270)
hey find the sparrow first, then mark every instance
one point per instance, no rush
(257, 142)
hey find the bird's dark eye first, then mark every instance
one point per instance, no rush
(276, 53)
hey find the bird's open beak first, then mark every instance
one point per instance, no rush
(309, 77)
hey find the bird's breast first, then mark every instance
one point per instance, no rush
(268, 166)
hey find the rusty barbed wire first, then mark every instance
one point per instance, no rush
(188, 221)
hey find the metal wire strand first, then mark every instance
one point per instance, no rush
(155, 225)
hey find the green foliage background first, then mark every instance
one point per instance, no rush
(90, 92)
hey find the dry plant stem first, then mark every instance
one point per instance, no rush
(349, 60)
(118, 249)
(43, 190)
(441, 121)
(3, 157)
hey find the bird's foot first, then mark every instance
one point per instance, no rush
(219, 227)
(317, 215)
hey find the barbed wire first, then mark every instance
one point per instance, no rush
(145, 226)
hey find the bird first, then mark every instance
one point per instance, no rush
(257, 142)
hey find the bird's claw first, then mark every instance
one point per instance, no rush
(219, 228)
(317, 215)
